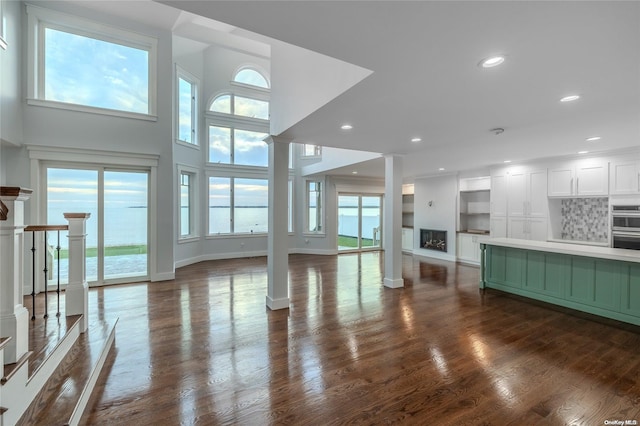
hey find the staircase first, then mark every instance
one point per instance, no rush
(48, 366)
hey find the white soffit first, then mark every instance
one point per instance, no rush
(303, 81)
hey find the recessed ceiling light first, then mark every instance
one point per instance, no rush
(355, 172)
(441, 169)
(593, 139)
(570, 98)
(583, 152)
(506, 161)
(491, 62)
(346, 127)
(416, 139)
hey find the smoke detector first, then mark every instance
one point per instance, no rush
(497, 130)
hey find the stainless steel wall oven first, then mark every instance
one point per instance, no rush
(625, 226)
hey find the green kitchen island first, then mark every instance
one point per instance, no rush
(599, 280)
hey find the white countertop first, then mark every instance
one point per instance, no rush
(624, 255)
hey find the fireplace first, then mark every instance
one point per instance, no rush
(433, 239)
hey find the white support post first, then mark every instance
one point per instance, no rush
(77, 291)
(14, 317)
(278, 238)
(393, 222)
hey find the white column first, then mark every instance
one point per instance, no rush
(14, 317)
(77, 291)
(393, 221)
(278, 239)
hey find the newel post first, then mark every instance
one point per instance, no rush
(77, 292)
(14, 317)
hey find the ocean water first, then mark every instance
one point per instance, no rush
(122, 225)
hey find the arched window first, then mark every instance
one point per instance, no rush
(251, 77)
(242, 106)
(222, 104)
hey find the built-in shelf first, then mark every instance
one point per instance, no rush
(474, 206)
(407, 210)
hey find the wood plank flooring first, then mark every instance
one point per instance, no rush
(204, 349)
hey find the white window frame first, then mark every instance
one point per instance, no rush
(255, 68)
(194, 203)
(232, 176)
(195, 85)
(233, 125)
(3, 27)
(39, 18)
(319, 211)
(317, 151)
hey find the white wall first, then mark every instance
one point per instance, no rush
(442, 193)
(11, 127)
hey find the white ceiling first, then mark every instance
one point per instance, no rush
(426, 81)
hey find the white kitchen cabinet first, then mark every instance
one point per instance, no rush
(407, 239)
(468, 248)
(527, 193)
(624, 178)
(585, 178)
(528, 228)
(498, 196)
(498, 226)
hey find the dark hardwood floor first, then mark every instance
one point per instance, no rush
(204, 349)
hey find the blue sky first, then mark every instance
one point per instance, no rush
(85, 71)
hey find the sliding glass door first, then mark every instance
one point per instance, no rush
(126, 216)
(117, 231)
(359, 222)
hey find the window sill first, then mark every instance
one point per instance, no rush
(244, 235)
(91, 110)
(314, 234)
(188, 145)
(188, 239)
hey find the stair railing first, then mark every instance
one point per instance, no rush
(46, 252)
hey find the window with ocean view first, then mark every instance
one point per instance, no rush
(118, 250)
(238, 205)
(238, 157)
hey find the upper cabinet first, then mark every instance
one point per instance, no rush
(527, 193)
(624, 178)
(584, 178)
(498, 195)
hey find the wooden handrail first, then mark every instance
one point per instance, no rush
(47, 228)
(4, 211)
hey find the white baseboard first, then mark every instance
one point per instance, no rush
(325, 252)
(244, 254)
(275, 304)
(393, 283)
(434, 255)
(163, 276)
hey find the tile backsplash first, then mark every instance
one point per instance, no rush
(585, 219)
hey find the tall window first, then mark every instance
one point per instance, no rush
(314, 207)
(187, 108)
(238, 157)
(82, 65)
(238, 205)
(188, 205)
